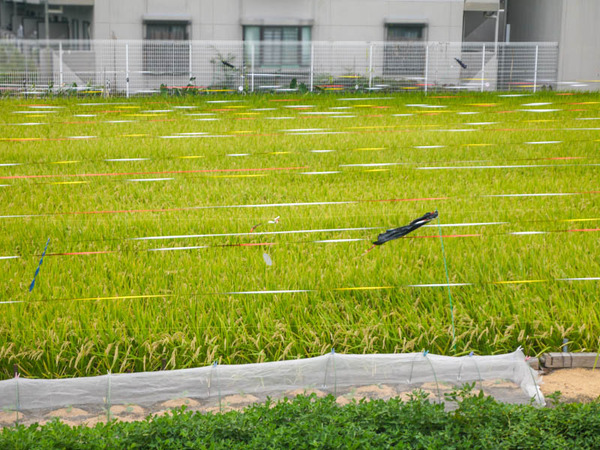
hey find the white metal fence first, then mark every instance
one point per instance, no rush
(118, 67)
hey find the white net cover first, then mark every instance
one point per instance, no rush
(508, 378)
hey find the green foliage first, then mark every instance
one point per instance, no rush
(308, 422)
(51, 335)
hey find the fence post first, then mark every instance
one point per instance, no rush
(127, 69)
(173, 68)
(252, 67)
(426, 66)
(370, 66)
(60, 65)
(25, 51)
(483, 68)
(190, 62)
(535, 69)
(312, 66)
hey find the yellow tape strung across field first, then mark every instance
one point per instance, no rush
(565, 142)
(124, 297)
(70, 182)
(296, 291)
(364, 288)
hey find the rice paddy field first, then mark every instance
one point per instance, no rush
(160, 253)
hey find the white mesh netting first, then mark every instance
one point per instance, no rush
(508, 378)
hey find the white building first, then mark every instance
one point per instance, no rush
(318, 20)
(571, 23)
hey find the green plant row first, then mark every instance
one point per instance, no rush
(307, 422)
(171, 309)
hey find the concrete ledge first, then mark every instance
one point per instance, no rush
(558, 360)
(534, 363)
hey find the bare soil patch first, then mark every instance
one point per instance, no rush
(179, 402)
(68, 413)
(575, 385)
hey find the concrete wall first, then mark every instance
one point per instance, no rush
(535, 20)
(580, 42)
(332, 20)
(573, 24)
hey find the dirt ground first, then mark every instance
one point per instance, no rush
(575, 385)
(90, 415)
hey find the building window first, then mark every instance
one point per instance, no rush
(408, 32)
(278, 46)
(166, 31)
(165, 49)
(404, 54)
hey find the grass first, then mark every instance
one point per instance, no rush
(125, 308)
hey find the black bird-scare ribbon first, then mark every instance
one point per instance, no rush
(462, 64)
(399, 232)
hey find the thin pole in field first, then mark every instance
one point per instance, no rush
(60, 65)
(482, 67)
(190, 68)
(127, 69)
(312, 66)
(252, 70)
(447, 281)
(426, 66)
(370, 66)
(535, 68)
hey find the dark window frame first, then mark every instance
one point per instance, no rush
(405, 57)
(422, 27)
(262, 60)
(171, 23)
(156, 52)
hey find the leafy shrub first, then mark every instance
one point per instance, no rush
(477, 422)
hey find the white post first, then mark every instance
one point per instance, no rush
(127, 69)
(426, 66)
(496, 32)
(190, 63)
(535, 68)
(312, 66)
(483, 68)
(252, 67)
(173, 66)
(370, 66)
(60, 65)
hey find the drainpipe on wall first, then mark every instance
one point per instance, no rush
(46, 23)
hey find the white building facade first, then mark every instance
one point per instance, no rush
(570, 23)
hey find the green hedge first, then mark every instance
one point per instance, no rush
(307, 422)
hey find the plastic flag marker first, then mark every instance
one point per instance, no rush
(268, 260)
(275, 221)
(32, 285)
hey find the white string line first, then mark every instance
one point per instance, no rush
(263, 233)
(327, 230)
(296, 291)
(275, 205)
(521, 166)
(322, 241)
(196, 135)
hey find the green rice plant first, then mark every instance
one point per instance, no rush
(107, 300)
